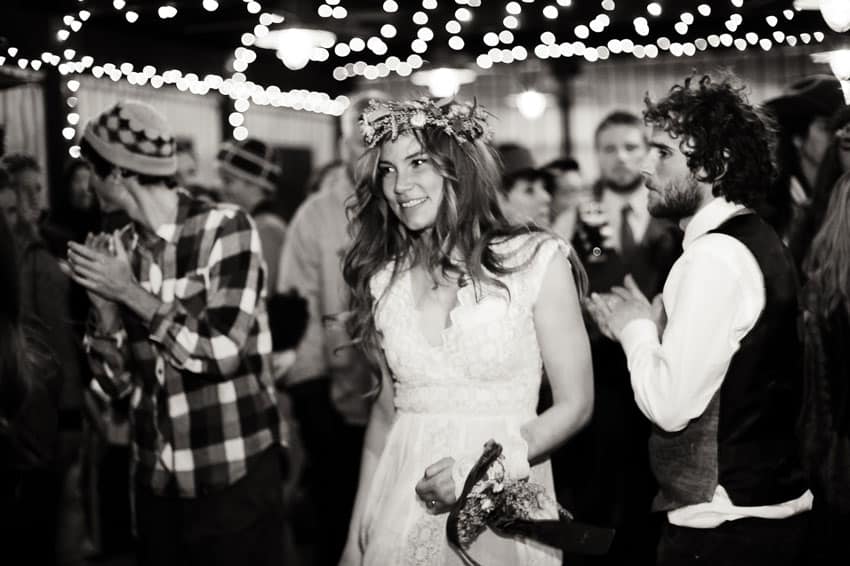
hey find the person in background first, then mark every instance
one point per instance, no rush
(192, 352)
(25, 177)
(715, 363)
(569, 190)
(615, 236)
(74, 210)
(8, 203)
(287, 322)
(187, 172)
(30, 383)
(320, 174)
(835, 162)
(45, 291)
(250, 177)
(73, 214)
(802, 114)
(825, 422)
(46, 296)
(327, 381)
(187, 163)
(526, 191)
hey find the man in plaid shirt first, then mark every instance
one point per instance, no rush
(180, 325)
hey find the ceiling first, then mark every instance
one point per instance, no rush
(201, 41)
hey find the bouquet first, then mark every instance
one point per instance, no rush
(512, 508)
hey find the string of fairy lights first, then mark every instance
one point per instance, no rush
(243, 92)
(498, 47)
(550, 47)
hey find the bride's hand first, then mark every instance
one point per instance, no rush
(436, 489)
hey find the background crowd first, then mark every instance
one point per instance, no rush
(66, 446)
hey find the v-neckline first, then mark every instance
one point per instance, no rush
(449, 323)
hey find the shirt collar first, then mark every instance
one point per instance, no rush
(709, 217)
(638, 199)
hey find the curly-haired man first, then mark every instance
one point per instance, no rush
(720, 384)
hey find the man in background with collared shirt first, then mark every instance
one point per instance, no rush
(721, 386)
(180, 326)
(614, 485)
(329, 379)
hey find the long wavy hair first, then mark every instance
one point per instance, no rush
(469, 220)
(828, 264)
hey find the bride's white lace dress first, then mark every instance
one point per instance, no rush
(481, 382)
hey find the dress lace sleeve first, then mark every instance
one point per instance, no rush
(541, 249)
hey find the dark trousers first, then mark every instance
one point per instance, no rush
(333, 450)
(744, 542)
(829, 542)
(242, 524)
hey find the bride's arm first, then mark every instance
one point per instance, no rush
(565, 349)
(380, 420)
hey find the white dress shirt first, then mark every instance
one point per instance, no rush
(713, 298)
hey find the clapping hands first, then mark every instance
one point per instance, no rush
(613, 311)
(101, 266)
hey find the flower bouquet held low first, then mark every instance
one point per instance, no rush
(513, 508)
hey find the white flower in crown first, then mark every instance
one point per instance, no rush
(418, 120)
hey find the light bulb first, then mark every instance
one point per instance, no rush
(836, 14)
(531, 104)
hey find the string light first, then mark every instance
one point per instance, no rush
(388, 31)
(549, 48)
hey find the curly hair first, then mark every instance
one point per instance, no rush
(721, 134)
(469, 221)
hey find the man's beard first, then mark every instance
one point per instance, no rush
(675, 201)
(624, 188)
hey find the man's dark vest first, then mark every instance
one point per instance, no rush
(745, 439)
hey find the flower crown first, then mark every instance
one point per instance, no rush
(386, 119)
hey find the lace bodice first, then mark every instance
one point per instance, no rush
(489, 361)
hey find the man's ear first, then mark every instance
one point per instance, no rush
(701, 173)
(727, 155)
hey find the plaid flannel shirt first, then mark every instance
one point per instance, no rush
(199, 373)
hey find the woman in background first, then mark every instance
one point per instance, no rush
(825, 423)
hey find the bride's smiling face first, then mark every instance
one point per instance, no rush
(410, 182)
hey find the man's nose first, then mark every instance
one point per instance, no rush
(647, 165)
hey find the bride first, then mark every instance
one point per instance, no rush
(462, 312)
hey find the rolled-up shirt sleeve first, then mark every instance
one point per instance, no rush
(714, 298)
(208, 340)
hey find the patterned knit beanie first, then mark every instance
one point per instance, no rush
(252, 161)
(134, 136)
